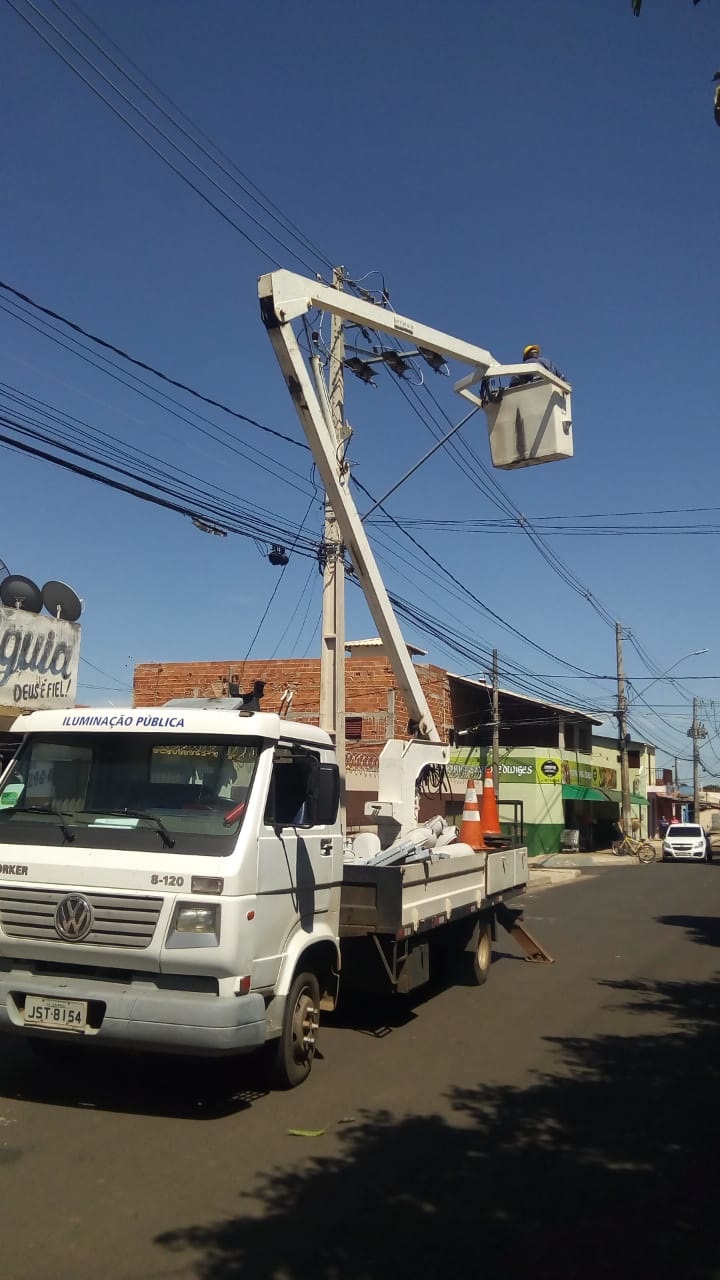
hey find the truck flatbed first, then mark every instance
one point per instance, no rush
(416, 896)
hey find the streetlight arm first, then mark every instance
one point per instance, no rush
(695, 654)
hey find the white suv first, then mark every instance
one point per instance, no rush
(686, 841)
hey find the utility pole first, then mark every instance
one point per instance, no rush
(496, 724)
(622, 731)
(696, 731)
(332, 653)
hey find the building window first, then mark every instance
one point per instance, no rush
(353, 728)
(578, 737)
(633, 759)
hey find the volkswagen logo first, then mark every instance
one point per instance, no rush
(73, 917)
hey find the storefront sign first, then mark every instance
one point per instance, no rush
(39, 658)
(605, 777)
(547, 770)
(511, 768)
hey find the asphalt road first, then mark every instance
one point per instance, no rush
(562, 1121)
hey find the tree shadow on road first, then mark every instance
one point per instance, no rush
(703, 929)
(130, 1083)
(603, 1167)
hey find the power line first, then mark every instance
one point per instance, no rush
(138, 134)
(142, 364)
(225, 164)
(269, 534)
(567, 575)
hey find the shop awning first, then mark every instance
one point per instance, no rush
(569, 792)
(616, 797)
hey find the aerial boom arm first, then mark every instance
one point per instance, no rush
(284, 296)
(334, 478)
(528, 422)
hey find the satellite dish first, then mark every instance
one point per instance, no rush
(61, 601)
(21, 593)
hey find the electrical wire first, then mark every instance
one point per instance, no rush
(142, 364)
(275, 590)
(207, 145)
(143, 138)
(567, 575)
(271, 533)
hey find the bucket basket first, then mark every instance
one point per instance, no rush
(529, 424)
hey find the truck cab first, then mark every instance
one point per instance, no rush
(165, 875)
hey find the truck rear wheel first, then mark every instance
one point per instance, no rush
(482, 955)
(296, 1047)
(463, 955)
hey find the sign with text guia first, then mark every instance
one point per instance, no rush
(39, 658)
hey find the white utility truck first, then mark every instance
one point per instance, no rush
(178, 878)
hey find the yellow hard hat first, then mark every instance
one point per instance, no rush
(531, 350)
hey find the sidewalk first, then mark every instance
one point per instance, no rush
(556, 868)
(541, 877)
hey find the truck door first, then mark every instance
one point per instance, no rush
(299, 857)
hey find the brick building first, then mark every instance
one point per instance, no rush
(559, 739)
(374, 709)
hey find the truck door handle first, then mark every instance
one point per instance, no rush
(326, 847)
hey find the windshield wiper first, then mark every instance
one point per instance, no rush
(139, 813)
(57, 813)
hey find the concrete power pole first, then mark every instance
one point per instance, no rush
(496, 725)
(622, 731)
(696, 731)
(332, 653)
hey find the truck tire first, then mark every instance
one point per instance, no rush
(463, 957)
(482, 955)
(295, 1049)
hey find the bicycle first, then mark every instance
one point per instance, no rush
(643, 850)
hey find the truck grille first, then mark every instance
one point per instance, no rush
(119, 920)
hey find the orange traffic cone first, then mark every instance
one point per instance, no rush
(489, 820)
(470, 827)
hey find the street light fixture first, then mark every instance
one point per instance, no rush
(695, 654)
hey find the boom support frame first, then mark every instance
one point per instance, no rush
(284, 297)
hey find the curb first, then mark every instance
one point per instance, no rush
(541, 878)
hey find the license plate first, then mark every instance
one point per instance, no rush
(57, 1015)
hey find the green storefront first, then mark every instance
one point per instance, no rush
(550, 794)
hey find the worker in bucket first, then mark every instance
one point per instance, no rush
(532, 355)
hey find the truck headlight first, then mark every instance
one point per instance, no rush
(195, 924)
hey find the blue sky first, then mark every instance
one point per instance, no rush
(515, 171)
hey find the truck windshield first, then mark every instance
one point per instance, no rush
(130, 789)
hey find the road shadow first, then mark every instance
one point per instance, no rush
(702, 929)
(605, 1166)
(131, 1083)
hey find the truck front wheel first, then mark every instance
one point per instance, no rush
(297, 1044)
